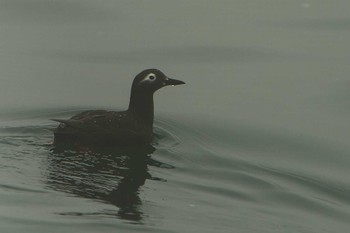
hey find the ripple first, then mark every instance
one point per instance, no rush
(165, 136)
(191, 162)
(242, 169)
(20, 189)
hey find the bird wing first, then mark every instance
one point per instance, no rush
(75, 124)
(84, 122)
(113, 126)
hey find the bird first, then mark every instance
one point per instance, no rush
(117, 128)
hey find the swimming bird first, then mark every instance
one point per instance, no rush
(129, 127)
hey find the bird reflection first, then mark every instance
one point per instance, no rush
(112, 175)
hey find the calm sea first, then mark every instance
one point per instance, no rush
(256, 141)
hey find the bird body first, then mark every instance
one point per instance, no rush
(130, 127)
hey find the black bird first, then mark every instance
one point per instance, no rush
(130, 127)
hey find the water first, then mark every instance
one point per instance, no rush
(256, 141)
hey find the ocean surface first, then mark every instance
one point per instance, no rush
(256, 141)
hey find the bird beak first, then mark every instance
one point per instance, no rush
(172, 82)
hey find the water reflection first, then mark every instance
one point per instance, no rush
(112, 175)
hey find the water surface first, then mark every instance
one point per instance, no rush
(256, 141)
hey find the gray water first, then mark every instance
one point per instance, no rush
(256, 141)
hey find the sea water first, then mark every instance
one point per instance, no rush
(256, 141)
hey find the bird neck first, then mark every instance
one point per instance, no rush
(141, 105)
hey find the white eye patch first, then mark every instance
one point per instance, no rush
(149, 78)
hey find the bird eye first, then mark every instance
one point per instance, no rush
(150, 78)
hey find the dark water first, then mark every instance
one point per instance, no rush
(195, 177)
(256, 141)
